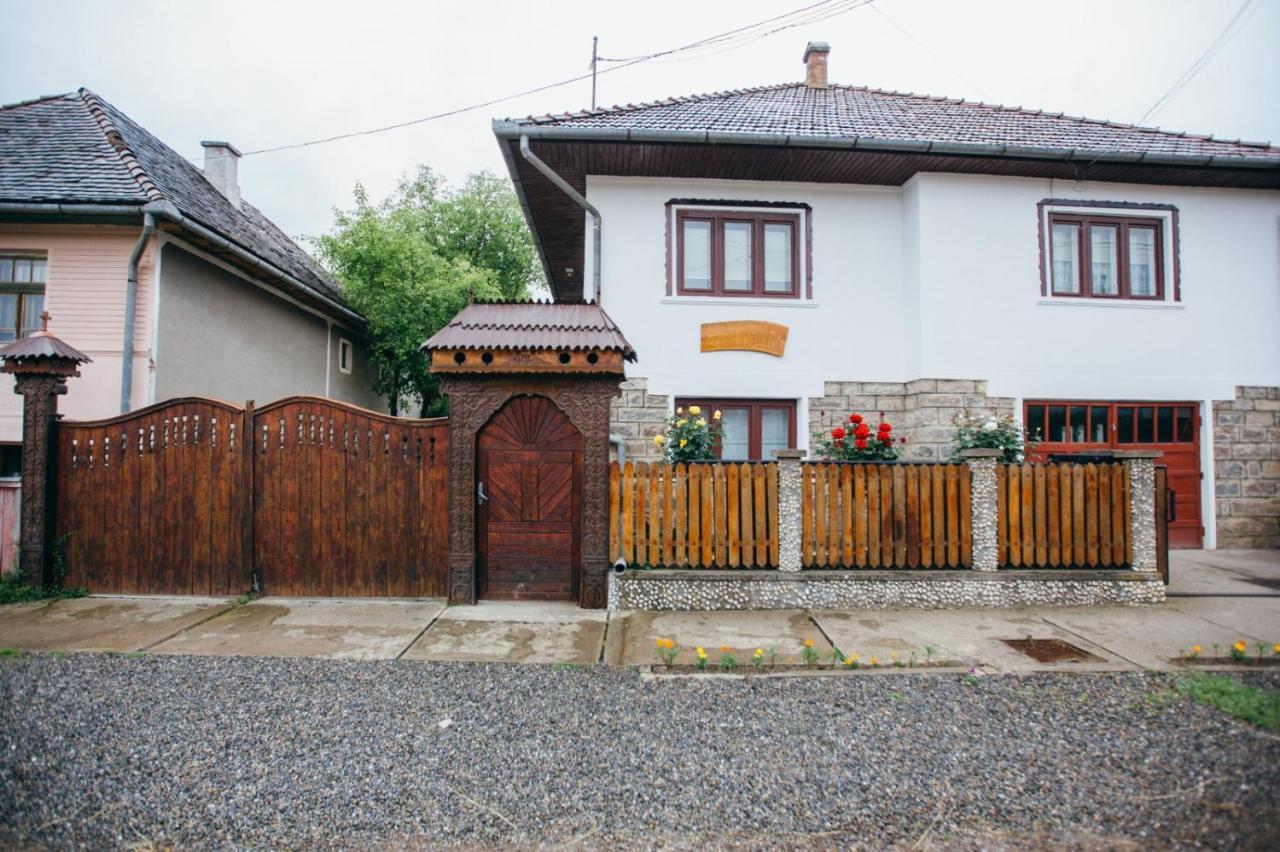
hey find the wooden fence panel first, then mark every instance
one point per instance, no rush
(885, 516)
(1062, 515)
(694, 515)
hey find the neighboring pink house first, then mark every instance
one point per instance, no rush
(142, 259)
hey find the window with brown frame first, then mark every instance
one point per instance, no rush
(1106, 257)
(752, 428)
(1095, 425)
(738, 253)
(22, 279)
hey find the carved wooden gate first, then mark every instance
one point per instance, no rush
(198, 496)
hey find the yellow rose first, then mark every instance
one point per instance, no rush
(695, 410)
(700, 422)
(684, 441)
(682, 422)
(658, 439)
(679, 409)
(717, 414)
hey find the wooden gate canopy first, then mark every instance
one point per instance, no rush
(529, 337)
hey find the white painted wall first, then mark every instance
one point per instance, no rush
(941, 279)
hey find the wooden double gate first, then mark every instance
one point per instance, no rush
(305, 496)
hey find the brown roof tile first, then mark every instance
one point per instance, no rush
(532, 325)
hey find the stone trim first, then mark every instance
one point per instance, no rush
(681, 590)
(1246, 461)
(636, 416)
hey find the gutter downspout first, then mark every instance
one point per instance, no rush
(131, 310)
(577, 197)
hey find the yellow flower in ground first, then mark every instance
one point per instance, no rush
(684, 441)
(717, 414)
(1195, 649)
(695, 410)
(700, 422)
(1241, 646)
(724, 649)
(702, 653)
(658, 439)
(760, 652)
(873, 661)
(1277, 649)
(808, 643)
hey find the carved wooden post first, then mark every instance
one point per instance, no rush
(983, 506)
(40, 365)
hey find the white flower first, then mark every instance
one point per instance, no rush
(990, 426)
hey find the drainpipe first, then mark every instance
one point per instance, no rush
(619, 448)
(131, 310)
(579, 200)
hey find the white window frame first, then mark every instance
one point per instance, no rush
(1166, 215)
(346, 354)
(802, 214)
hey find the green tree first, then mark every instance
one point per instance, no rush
(411, 262)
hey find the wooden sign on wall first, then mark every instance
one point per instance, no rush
(744, 336)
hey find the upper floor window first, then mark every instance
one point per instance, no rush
(738, 253)
(1106, 257)
(21, 294)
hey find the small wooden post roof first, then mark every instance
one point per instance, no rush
(525, 337)
(41, 351)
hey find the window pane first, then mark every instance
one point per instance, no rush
(1078, 414)
(10, 461)
(8, 316)
(1164, 424)
(37, 271)
(775, 431)
(777, 260)
(1057, 423)
(1102, 249)
(1186, 424)
(1035, 422)
(1142, 262)
(697, 255)
(6, 269)
(1146, 425)
(22, 270)
(737, 255)
(32, 307)
(1124, 425)
(1098, 424)
(1065, 250)
(735, 441)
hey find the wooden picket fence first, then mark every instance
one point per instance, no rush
(885, 516)
(1063, 515)
(694, 515)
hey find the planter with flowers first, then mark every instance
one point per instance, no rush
(859, 442)
(690, 436)
(990, 432)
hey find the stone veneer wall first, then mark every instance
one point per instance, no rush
(636, 416)
(1246, 453)
(920, 411)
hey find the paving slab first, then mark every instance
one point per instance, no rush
(632, 635)
(337, 628)
(1254, 619)
(515, 632)
(971, 637)
(1224, 572)
(1153, 637)
(100, 623)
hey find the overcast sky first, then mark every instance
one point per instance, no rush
(261, 74)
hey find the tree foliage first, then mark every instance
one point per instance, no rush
(409, 263)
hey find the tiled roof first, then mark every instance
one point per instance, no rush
(801, 115)
(77, 148)
(41, 346)
(532, 325)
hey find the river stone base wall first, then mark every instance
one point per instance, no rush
(1246, 450)
(920, 411)
(757, 590)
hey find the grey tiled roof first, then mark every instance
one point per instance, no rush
(805, 114)
(531, 325)
(77, 148)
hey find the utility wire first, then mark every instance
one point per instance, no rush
(827, 8)
(1199, 65)
(881, 12)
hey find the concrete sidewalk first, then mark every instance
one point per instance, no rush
(1216, 597)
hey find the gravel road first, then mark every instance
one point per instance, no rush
(100, 751)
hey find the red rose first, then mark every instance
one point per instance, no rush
(885, 427)
(862, 431)
(861, 443)
(838, 433)
(886, 440)
(855, 419)
(839, 442)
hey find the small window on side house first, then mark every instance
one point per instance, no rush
(737, 253)
(344, 355)
(22, 281)
(1106, 257)
(10, 461)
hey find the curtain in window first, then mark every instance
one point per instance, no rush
(697, 255)
(777, 257)
(8, 316)
(1103, 248)
(737, 256)
(775, 431)
(1065, 250)
(1142, 262)
(735, 441)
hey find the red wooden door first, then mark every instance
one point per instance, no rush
(529, 469)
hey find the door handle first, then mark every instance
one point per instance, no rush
(481, 497)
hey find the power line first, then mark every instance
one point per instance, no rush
(820, 11)
(1199, 65)
(879, 11)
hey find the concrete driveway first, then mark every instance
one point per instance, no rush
(1216, 597)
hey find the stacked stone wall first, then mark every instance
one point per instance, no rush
(1246, 450)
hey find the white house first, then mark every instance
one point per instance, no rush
(796, 252)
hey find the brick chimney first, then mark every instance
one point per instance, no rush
(815, 64)
(221, 168)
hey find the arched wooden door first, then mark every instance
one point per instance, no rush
(529, 493)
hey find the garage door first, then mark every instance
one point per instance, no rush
(1173, 428)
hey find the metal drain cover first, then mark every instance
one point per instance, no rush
(1051, 651)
